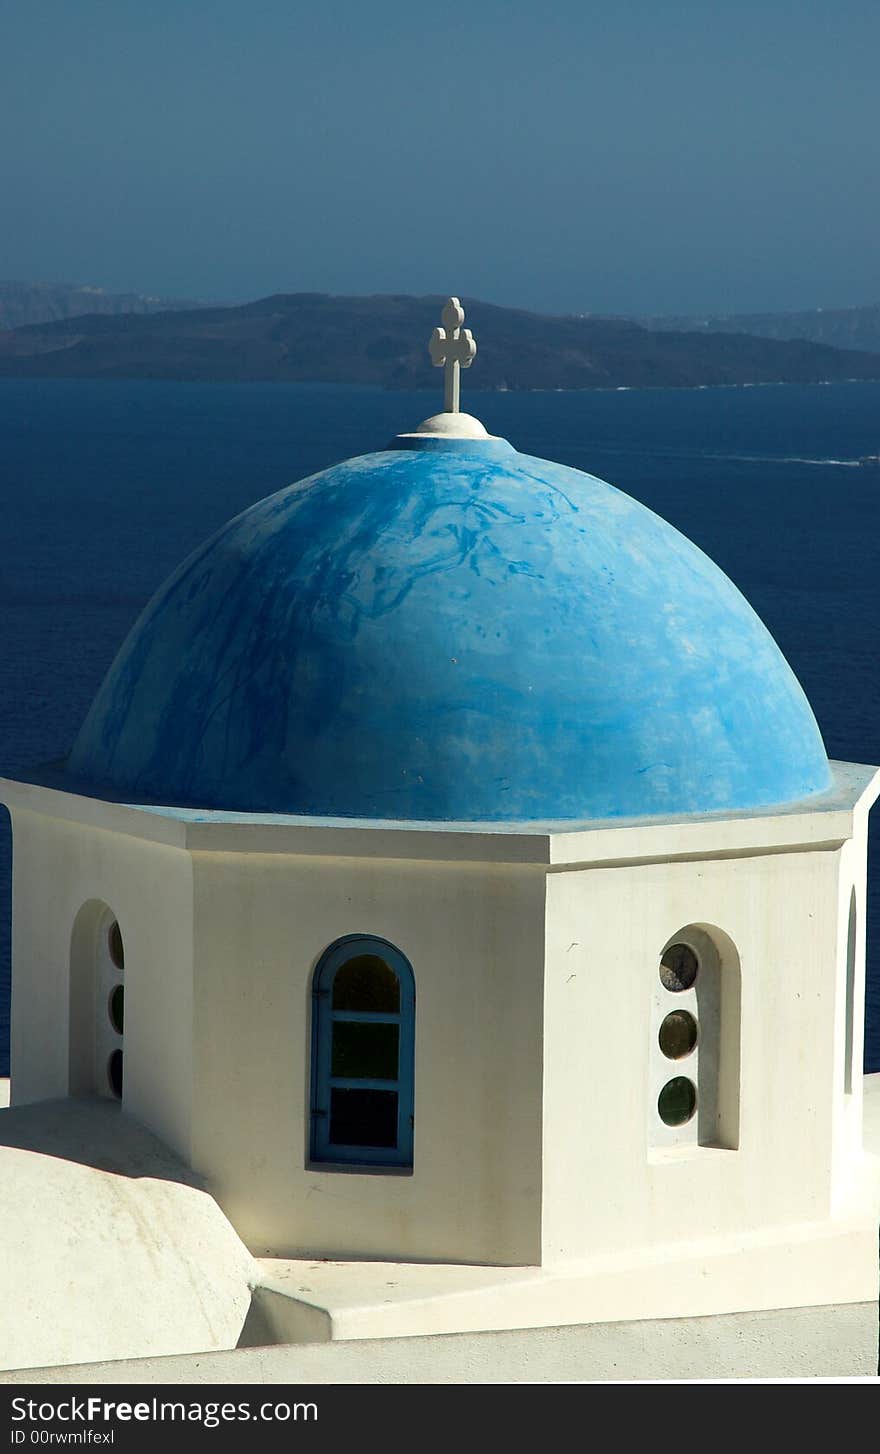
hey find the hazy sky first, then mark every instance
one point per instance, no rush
(567, 155)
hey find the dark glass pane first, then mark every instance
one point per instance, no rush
(363, 1118)
(117, 1009)
(678, 967)
(114, 1072)
(678, 1034)
(364, 1049)
(677, 1101)
(114, 944)
(366, 982)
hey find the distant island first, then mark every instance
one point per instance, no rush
(382, 341)
(22, 304)
(839, 327)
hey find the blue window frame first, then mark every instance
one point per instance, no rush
(363, 1023)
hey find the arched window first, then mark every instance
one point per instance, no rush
(363, 1012)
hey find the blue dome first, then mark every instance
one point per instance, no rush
(449, 630)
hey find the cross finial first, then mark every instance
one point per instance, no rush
(453, 348)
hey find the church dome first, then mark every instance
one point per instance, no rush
(449, 630)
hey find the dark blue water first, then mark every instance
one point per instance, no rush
(105, 486)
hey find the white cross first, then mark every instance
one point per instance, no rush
(453, 347)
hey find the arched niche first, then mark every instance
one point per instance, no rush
(96, 987)
(701, 982)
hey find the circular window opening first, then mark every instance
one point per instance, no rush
(114, 1073)
(678, 1035)
(116, 1008)
(678, 968)
(677, 1101)
(114, 944)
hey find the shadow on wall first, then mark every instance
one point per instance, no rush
(275, 1318)
(92, 1131)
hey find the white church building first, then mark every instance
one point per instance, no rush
(447, 921)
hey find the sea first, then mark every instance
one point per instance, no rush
(105, 486)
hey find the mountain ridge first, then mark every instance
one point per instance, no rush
(847, 328)
(26, 303)
(381, 340)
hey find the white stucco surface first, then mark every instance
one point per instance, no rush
(602, 1191)
(314, 1301)
(65, 876)
(474, 935)
(110, 1248)
(541, 1193)
(799, 1343)
(871, 1123)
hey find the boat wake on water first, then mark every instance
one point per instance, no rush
(867, 461)
(844, 463)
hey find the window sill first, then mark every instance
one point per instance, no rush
(669, 1155)
(355, 1168)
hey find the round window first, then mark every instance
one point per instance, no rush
(678, 968)
(114, 1073)
(678, 1035)
(115, 945)
(677, 1101)
(116, 1008)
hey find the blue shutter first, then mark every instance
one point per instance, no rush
(350, 1111)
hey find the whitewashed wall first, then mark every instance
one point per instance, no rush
(474, 936)
(535, 1045)
(606, 1187)
(58, 867)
